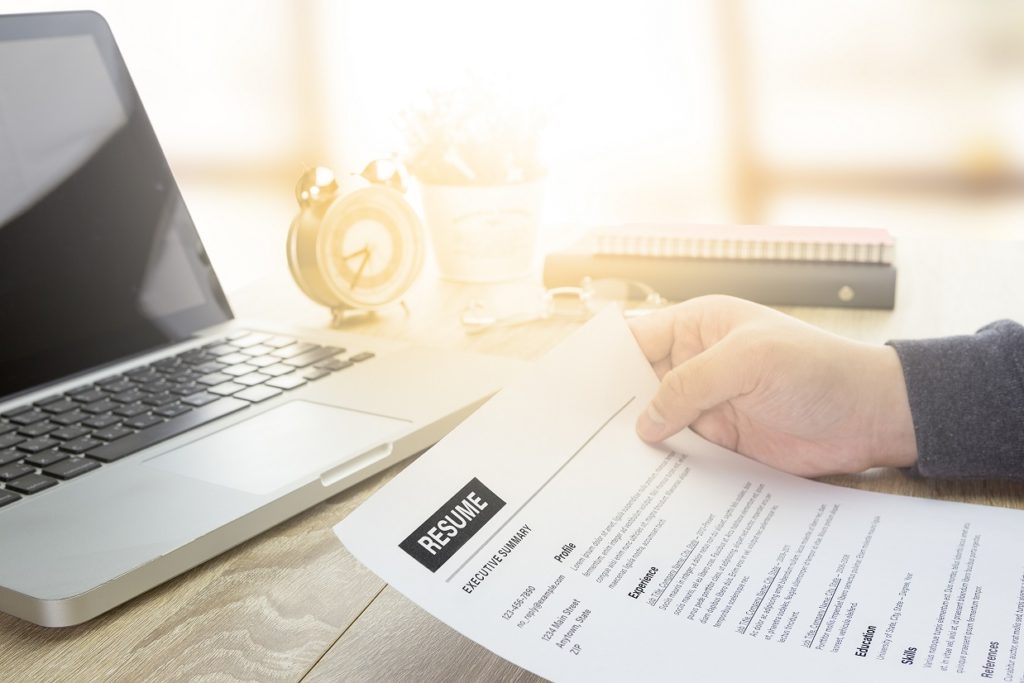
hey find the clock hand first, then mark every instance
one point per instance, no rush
(346, 257)
(362, 266)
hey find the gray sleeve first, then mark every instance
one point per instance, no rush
(967, 401)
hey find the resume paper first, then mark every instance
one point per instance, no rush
(545, 530)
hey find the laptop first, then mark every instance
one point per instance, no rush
(143, 430)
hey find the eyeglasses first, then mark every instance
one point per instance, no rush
(570, 303)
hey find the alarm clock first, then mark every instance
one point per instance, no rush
(355, 251)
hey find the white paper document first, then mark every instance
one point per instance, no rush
(545, 530)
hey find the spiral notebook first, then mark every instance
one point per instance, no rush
(747, 242)
(778, 266)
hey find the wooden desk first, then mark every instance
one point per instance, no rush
(292, 604)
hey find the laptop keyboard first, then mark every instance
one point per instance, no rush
(67, 435)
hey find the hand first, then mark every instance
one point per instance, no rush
(775, 389)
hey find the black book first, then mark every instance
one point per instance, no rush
(766, 281)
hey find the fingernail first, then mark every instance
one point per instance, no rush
(650, 425)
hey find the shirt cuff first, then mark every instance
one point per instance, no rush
(967, 401)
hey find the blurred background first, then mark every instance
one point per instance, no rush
(906, 116)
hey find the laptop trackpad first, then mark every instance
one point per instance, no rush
(281, 446)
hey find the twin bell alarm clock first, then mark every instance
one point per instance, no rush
(355, 251)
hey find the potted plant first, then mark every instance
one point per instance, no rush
(476, 159)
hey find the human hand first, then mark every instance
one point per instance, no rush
(773, 388)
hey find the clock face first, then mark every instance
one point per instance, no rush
(370, 247)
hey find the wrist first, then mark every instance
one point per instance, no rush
(894, 443)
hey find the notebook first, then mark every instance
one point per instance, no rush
(776, 266)
(747, 242)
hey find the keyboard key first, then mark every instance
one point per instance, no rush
(112, 433)
(31, 483)
(310, 357)
(71, 468)
(160, 399)
(238, 334)
(38, 429)
(130, 396)
(104, 405)
(7, 427)
(28, 417)
(214, 378)
(49, 399)
(199, 358)
(14, 470)
(8, 440)
(144, 380)
(88, 396)
(16, 411)
(140, 373)
(143, 421)
(166, 365)
(333, 364)
(258, 393)
(131, 410)
(251, 339)
(79, 390)
(39, 444)
(190, 420)
(293, 350)
(9, 455)
(186, 389)
(210, 366)
(101, 421)
(80, 445)
(60, 406)
(67, 433)
(158, 387)
(232, 359)
(226, 389)
(120, 384)
(287, 381)
(279, 342)
(69, 418)
(277, 370)
(222, 349)
(264, 361)
(240, 369)
(360, 357)
(45, 458)
(252, 379)
(200, 399)
(184, 377)
(8, 497)
(173, 410)
(314, 373)
(258, 350)
(107, 381)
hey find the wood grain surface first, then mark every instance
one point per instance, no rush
(292, 604)
(266, 610)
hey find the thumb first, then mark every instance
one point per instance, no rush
(698, 384)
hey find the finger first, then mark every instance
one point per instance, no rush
(662, 367)
(718, 426)
(712, 377)
(655, 333)
(670, 331)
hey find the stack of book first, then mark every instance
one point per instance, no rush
(778, 266)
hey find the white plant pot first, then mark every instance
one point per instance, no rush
(483, 233)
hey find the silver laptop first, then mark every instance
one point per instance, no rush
(142, 430)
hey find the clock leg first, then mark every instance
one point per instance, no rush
(346, 315)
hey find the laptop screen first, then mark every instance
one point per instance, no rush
(99, 258)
